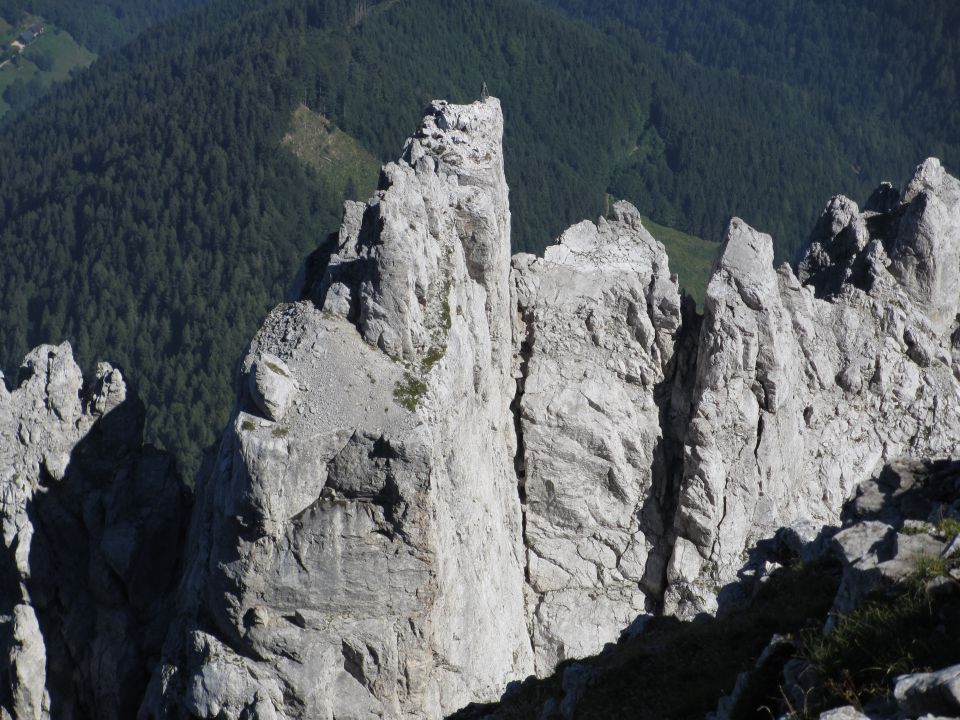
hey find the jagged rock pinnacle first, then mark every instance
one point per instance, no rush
(445, 472)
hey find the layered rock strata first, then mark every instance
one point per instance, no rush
(92, 525)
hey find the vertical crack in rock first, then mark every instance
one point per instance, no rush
(674, 399)
(523, 354)
(595, 325)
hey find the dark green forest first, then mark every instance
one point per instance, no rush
(883, 75)
(897, 57)
(153, 216)
(100, 25)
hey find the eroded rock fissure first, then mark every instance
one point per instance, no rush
(525, 350)
(673, 397)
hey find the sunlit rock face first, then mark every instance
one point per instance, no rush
(805, 383)
(447, 469)
(595, 325)
(361, 555)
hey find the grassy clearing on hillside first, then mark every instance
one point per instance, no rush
(338, 158)
(48, 60)
(691, 258)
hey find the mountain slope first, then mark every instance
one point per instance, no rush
(100, 24)
(154, 215)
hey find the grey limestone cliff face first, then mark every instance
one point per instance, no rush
(443, 475)
(596, 324)
(92, 525)
(359, 555)
(806, 383)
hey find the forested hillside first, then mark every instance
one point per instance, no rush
(100, 24)
(156, 212)
(900, 58)
(882, 74)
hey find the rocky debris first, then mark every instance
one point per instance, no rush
(596, 319)
(937, 693)
(271, 386)
(805, 383)
(891, 524)
(362, 556)
(92, 524)
(894, 532)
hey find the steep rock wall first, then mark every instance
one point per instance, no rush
(805, 384)
(596, 323)
(443, 475)
(357, 552)
(92, 526)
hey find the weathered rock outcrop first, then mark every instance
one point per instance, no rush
(443, 474)
(596, 322)
(804, 384)
(362, 555)
(92, 525)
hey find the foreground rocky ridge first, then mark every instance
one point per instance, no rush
(447, 471)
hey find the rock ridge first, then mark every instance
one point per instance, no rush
(448, 469)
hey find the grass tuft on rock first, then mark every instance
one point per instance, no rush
(896, 631)
(409, 391)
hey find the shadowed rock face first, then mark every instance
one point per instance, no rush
(444, 473)
(92, 530)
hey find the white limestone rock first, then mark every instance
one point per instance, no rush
(595, 322)
(363, 555)
(91, 531)
(931, 692)
(27, 663)
(804, 387)
(271, 386)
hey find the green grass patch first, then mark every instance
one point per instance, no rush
(340, 161)
(948, 528)
(433, 356)
(409, 391)
(691, 258)
(48, 60)
(930, 567)
(280, 431)
(896, 631)
(248, 425)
